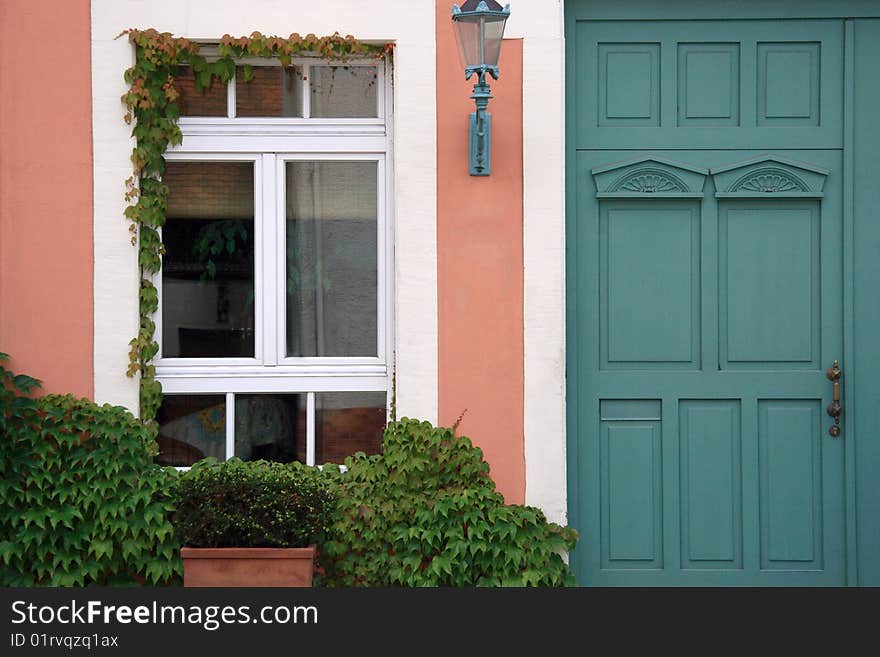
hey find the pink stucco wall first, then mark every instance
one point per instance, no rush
(480, 264)
(46, 192)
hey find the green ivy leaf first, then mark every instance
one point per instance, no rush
(7, 551)
(25, 383)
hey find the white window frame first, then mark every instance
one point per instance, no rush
(367, 125)
(270, 143)
(382, 299)
(193, 364)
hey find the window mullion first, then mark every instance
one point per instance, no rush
(230, 98)
(306, 92)
(281, 257)
(269, 266)
(310, 428)
(380, 96)
(381, 261)
(230, 425)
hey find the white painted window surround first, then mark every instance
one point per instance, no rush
(408, 153)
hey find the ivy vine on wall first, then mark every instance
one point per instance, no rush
(151, 103)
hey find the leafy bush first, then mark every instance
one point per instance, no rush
(252, 504)
(425, 513)
(81, 501)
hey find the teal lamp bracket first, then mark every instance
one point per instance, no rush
(480, 134)
(479, 31)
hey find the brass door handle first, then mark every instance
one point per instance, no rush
(834, 375)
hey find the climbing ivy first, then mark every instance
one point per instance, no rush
(425, 512)
(152, 106)
(81, 501)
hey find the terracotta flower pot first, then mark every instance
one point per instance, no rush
(242, 567)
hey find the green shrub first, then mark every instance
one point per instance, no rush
(252, 504)
(425, 513)
(81, 501)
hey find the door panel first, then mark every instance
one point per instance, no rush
(650, 300)
(629, 78)
(632, 498)
(769, 284)
(710, 448)
(791, 485)
(708, 84)
(704, 323)
(788, 83)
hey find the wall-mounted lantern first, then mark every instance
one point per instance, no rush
(479, 29)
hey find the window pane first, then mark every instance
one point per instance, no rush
(343, 91)
(271, 427)
(331, 258)
(208, 267)
(348, 422)
(192, 102)
(272, 91)
(191, 427)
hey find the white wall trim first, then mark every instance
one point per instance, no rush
(412, 28)
(540, 24)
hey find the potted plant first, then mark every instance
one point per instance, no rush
(251, 523)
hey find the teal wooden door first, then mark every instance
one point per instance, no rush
(705, 302)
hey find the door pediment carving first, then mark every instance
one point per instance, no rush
(769, 176)
(649, 177)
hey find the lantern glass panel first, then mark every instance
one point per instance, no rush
(468, 37)
(494, 31)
